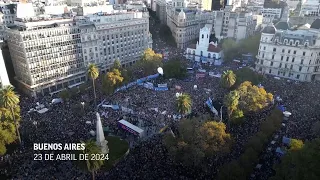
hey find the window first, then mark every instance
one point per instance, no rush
(300, 68)
(283, 50)
(291, 67)
(297, 43)
(281, 58)
(261, 62)
(292, 59)
(263, 55)
(287, 59)
(269, 71)
(272, 56)
(264, 48)
(294, 52)
(298, 76)
(271, 64)
(301, 61)
(304, 53)
(289, 51)
(280, 65)
(274, 49)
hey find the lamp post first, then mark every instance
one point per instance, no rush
(221, 113)
(82, 103)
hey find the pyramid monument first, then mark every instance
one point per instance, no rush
(101, 141)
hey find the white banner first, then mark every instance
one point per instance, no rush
(163, 85)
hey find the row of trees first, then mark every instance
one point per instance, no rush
(9, 118)
(232, 79)
(302, 161)
(233, 49)
(241, 169)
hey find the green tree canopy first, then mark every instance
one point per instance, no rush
(111, 81)
(10, 100)
(184, 104)
(116, 64)
(228, 79)
(93, 165)
(300, 164)
(64, 95)
(149, 62)
(231, 171)
(93, 73)
(174, 69)
(246, 74)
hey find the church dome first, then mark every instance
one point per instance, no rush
(270, 29)
(182, 15)
(282, 25)
(315, 24)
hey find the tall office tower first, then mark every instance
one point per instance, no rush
(108, 37)
(46, 53)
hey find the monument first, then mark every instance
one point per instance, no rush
(101, 141)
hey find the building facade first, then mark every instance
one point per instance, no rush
(106, 38)
(205, 51)
(51, 53)
(185, 23)
(275, 13)
(233, 24)
(4, 79)
(291, 54)
(161, 11)
(309, 7)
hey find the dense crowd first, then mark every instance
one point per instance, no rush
(152, 110)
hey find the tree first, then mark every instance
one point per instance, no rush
(184, 104)
(316, 129)
(93, 73)
(228, 79)
(114, 77)
(174, 69)
(214, 139)
(255, 143)
(230, 49)
(10, 100)
(91, 148)
(64, 95)
(7, 128)
(253, 98)
(250, 45)
(246, 74)
(116, 64)
(231, 101)
(300, 164)
(197, 139)
(231, 171)
(111, 81)
(295, 144)
(149, 62)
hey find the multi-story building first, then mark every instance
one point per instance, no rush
(9, 13)
(275, 13)
(309, 7)
(50, 53)
(46, 54)
(233, 24)
(4, 79)
(218, 4)
(185, 23)
(122, 36)
(292, 54)
(161, 10)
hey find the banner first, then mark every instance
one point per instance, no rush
(209, 104)
(200, 75)
(148, 85)
(163, 85)
(131, 84)
(153, 76)
(161, 89)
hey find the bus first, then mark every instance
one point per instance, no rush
(130, 128)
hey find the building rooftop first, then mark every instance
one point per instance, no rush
(315, 24)
(270, 29)
(213, 48)
(283, 25)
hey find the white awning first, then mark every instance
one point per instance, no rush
(41, 111)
